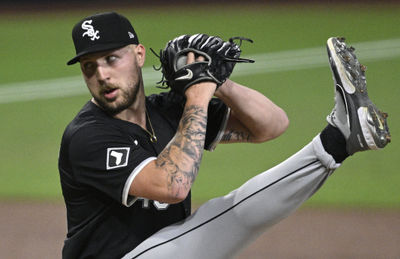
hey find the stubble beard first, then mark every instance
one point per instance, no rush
(128, 97)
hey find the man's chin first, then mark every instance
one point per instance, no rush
(113, 110)
(111, 106)
(108, 106)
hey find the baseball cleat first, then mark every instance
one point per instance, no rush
(363, 125)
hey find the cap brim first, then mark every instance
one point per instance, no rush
(96, 48)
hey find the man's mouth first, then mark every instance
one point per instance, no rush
(110, 94)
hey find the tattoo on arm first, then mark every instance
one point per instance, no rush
(182, 156)
(236, 136)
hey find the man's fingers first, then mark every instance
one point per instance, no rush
(200, 58)
(190, 58)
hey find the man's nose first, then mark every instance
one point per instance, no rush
(102, 73)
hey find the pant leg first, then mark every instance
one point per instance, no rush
(223, 226)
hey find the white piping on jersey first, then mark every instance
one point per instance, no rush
(221, 131)
(129, 200)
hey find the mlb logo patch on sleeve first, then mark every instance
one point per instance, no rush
(117, 157)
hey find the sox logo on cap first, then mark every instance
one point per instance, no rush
(90, 32)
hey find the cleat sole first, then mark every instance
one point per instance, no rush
(361, 122)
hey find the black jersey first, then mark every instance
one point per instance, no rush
(99, 158)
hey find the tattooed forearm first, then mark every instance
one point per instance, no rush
(182, 156)
(236, 136)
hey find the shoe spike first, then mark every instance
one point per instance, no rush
(363, 68)
(341, 39)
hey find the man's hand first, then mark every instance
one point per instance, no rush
(200, 93)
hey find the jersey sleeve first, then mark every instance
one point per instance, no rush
(107, 159)
(218, 114)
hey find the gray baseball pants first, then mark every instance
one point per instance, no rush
(221, 227)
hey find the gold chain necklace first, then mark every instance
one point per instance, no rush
(153, 137)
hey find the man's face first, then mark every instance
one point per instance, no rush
(113, 77)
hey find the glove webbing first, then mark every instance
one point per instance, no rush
(162, 81)
(239, 60)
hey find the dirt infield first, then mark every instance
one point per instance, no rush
(37, 230)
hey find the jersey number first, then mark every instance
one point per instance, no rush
(158, 205)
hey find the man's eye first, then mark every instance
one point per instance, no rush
(111, 59)
(88, 66)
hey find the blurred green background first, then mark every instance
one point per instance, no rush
(35, 46)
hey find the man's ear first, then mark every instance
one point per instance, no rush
(140, 52)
